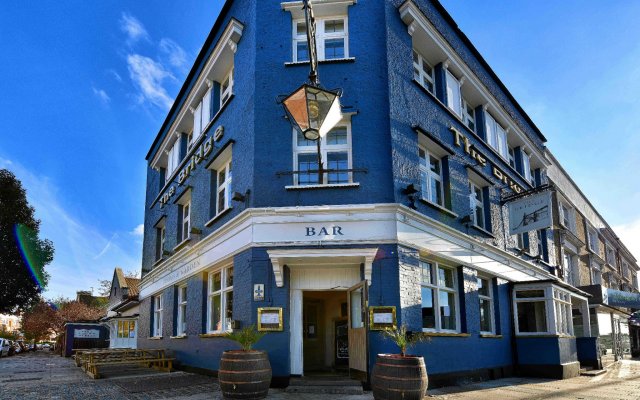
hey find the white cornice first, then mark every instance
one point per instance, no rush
(255, 228)
(410, 15)
(230, 37)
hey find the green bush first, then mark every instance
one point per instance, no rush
(246, 337)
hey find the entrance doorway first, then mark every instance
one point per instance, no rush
(325, 335)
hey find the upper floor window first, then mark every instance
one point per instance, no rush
(526, 168)
(185, 227)
(596, 273)
(201, 118)
(423, 72)
(512, 157)
(485, 293)
(439, 298)
(226, 88)
(223, 191)
(220, 300)
(332, 39)
(161, 237)
(454, 96)
(157, 315)
(431, 177)
(592, 240)
(336, 157)
(468, 115)
(567, 217)
(181, 318)
(173, 160)
(478, 205)
(611, 255)
(497, 136)
(570, 268)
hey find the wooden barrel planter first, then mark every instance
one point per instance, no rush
(244, 374)
(397, 377)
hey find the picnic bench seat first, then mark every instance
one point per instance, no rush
(92, 361)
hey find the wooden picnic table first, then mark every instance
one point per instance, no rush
(91, 361)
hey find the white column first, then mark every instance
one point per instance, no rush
(295, 325)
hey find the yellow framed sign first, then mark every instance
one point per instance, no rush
(270, 319)
(382, 317)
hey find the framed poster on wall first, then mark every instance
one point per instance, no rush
(382, 317)
(270, 319)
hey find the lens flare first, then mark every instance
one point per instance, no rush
(23, 234)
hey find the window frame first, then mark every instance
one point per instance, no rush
(321, 37)
(181, 315)
(158, 307)
(173, 160)
(452, 104)
(224, 322)
(436, 289)
(593, 243)
(419, 74)
(497, 139)
(556, 311)
(491, 300)
(477, 203)
(596, 271)
(226, 186)
(226, 93)
(161, 240)
(186, 220)
(325, 150)
(429, 175)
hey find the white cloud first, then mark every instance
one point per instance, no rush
(102, 95)
(133, 28)
(83, 253)
(149, 75)
(114, 74)
(177, 57)
(138, 230)
(629, 233)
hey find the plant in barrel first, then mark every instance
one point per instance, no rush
(245, 373)
(400, 376)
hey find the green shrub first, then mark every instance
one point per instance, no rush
(246, 337)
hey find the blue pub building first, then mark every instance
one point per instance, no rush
(241, 230)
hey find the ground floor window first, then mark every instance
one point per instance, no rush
(126, 329)
(485, 293)
(439, 298)
(157, 316)
(546, 309)
(181, 325)
(220, 300)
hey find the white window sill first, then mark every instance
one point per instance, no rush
(443, 333)
(181, 336)
(486, 232)
(182, 244)
(155, 338)
(327, 186)
(439, 207)
(215, 334)
(218, 216)
(329, 61)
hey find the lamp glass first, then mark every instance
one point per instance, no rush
(313, 111)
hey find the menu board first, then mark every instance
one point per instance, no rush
(270, 319)
(382, 317)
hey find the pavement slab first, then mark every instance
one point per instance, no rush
(44, 375)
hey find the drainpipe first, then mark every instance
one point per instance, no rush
(614, 338)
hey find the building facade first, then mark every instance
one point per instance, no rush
(594, 259)
(409, 226)
(123, 311)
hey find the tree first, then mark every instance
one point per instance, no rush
(47, 318)
(23, 255)
(38, 322)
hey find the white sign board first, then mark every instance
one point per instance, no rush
(383, 318)
(269, 318)
(530, 213)
(86, 334)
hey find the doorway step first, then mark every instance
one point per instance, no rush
(325, 385)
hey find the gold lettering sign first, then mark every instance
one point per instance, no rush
(463, 142)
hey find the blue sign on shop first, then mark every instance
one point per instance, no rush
(620, 299)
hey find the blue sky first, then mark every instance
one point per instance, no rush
(86, 85)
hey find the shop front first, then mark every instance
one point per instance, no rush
(323, 283)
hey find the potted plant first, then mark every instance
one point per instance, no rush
(245, 373)
(400, 376)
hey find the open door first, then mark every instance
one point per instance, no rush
(357, 304)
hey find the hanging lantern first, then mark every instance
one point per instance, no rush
(313, 111)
